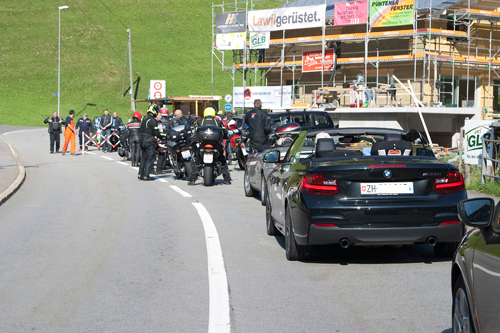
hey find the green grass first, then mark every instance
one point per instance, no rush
(490, 187)
(171, 40)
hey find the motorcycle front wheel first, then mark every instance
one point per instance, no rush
(208, 175)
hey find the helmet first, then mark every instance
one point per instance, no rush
(164, 111)
(210, 111)
(136, 115)
(122, 152)
(153, 108)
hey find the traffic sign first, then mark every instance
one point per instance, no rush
(228, 107)
(157, 89)
(228, 98)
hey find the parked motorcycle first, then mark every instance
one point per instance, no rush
(240, 148)
(179, 152)
(209, 138)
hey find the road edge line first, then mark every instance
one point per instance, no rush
(219, 311)
(16, 184)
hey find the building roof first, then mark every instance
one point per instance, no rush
(330, 4)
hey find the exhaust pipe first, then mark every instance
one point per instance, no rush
(431, 241)
(345, 243)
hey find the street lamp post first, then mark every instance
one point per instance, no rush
(59, 65)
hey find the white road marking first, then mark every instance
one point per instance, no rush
(180, 191)
(30, 130)
(486, 270)
(218, 319)
(163, 180)
(108, 158)
(90, 153)
(122, 163)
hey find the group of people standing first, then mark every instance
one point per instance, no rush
(83, 127)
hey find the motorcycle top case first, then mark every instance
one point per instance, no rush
(209, 134)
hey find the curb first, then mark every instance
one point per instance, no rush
(16, 184)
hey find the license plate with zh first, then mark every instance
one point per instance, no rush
(185, 154)
(386, 188)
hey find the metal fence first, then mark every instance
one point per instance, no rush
(489, 161)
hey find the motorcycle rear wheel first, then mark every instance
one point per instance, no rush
(187, 167)
(208, 175)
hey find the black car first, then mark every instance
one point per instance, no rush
(363, 186)
(306, 119)
(475, 272)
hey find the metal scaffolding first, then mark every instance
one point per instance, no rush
(436, 46)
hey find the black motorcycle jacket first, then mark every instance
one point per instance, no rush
(134, 129)
(149, 131)
(105, 121)
(211, 121)
(54, 126)
(259, 126)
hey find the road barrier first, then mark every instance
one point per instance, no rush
(98, 143)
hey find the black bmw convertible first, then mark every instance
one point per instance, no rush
(363, 186)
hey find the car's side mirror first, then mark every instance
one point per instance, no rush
(272, 156)
(476, 212)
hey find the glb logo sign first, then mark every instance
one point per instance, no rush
(475, 139)
(259, 40)
(157, 89)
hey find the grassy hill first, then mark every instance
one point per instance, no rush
(171, 40)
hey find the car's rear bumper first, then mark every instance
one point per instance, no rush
(321, 235)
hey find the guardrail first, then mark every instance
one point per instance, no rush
(490, 169)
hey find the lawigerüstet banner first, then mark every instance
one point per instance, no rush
(389, 13)
(287, 18)
(230, 22)
(270, 97)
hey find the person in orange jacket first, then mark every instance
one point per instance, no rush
(69, 133)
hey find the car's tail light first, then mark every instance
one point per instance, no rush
(325, 225)
(449, 223)
(453, 182)
(209, 146)
(317, 184)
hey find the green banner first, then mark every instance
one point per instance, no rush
(391, 13)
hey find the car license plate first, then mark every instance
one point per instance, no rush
(386, 188)
(208, 158)
(244, 151)
(185, 154)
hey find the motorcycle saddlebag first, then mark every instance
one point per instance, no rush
(209, 134)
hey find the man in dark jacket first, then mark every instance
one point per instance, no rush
(106, 130)
(259, 126)
(176, 119)
(209, 120)
(149, 132)
(85, 125)
(134, 138)
(54, 131)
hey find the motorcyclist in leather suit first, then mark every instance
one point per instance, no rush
(210, 120)
(150, 132)
(134, 138)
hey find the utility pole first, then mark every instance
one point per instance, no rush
(130, 69)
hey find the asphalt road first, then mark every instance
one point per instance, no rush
(86, 247)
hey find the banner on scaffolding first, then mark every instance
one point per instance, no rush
(354, 12)
(230, 22)
(271, 97)
(475, 131)
(311, 60)
(287, 18)
(259, 40)
(231, 41)
(389, 13)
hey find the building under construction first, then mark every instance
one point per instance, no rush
(447, 63)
